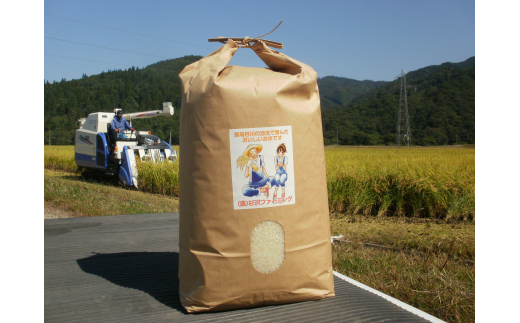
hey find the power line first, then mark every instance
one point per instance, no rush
(127, 51)
(90, 60)
(140, 34)
(175, 41)
(120, 50)
(130, 32)
(84, 59)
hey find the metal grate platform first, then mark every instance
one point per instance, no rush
(123, 268)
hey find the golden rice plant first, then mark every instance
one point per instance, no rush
(60, 158)
(417, 182)
(160, 178)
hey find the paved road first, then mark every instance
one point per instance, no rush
(123, 268)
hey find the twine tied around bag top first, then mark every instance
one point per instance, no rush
(247, 42)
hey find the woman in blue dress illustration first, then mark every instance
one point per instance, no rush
(259, 181)
(280, 164)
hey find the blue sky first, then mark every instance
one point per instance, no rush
(371, 39)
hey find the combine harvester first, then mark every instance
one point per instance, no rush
(97, 147)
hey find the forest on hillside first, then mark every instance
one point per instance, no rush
(441, 103)
(132, 90)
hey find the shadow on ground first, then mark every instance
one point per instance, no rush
(154, 273)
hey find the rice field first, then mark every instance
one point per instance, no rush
(414, 182)
(161, 178)
(60, 158)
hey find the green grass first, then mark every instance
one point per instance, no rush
(71, 193)
(428, 263)
(444, 289)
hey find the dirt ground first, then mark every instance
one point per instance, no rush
(51, 212)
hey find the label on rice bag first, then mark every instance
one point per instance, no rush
(262, 167)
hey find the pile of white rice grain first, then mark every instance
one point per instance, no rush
(267, 246)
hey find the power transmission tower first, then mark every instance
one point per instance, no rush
(403, 122)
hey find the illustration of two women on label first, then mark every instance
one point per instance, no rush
(259, 180)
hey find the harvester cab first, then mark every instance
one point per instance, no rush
(98, 147)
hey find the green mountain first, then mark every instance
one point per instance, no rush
(132, 90)
(441, 102)
(337, 91)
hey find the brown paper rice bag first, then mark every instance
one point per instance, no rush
(254, 217)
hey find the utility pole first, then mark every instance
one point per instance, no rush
(346, 134)
(403, 126)
(337, 135)
(49, 137)
(170, 137)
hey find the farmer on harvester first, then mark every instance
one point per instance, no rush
(119, 124)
